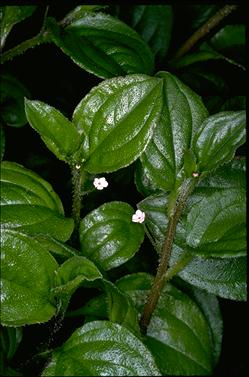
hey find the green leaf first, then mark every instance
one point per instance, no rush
(57, 132)
(196, 57)
(143, 184)
(116, 120)
(79, 12)
(2, 142)
(102, 348)
(209, 305)
(108, 236)
(154, 23)
(224, 277)
(218, 138)
(12, 93)
(29, 204)
(216, 225)
(105, 46)
(9, 340)
(234, 104)
(27, 276)
(11, 15)
(182, 115)
(176, 323)
(229, 37)
(121, 308)
(59, 249)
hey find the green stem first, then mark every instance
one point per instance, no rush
(24, 46)
(153, 297)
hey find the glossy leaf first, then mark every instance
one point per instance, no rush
(108, 236)
(79, 12)
(57, 248)
(229, 37)
(11, 15)
(143, 184)
(216, 225)
(57, 132)
(129, 108)
(182, 115)
(105, 46)
(176, 323)
(218, 138)
(27, 276)
(224, 277)
(102, 348)
(29, 204)
(12, 94)
(154, 24)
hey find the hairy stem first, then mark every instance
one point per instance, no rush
(185, 190)
(24, 46)
(204, 30)
(77, 181)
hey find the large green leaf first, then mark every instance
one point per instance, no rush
(116, 120)
(154, 24)
(182, 115)
(57, 132)
(218, 138)
(176, 323)
(29, 204)
(108, 236)
(11, 15)
(105, 46)
(102, 348)
(216, 225)
(12, 94)
(27, 276)
(224, 277)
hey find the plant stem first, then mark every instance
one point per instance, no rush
(77, 181)
(204, 30)
(180, 264)
(185, 190)
(24, 46)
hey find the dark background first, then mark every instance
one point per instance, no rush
(53, 78)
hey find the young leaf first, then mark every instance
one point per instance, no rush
(154, 24)
(29, 204)
(105, 46)
(102, 348)
(108, 236)
(116, 120)
(12, 94)
(57, 132)
(182, 115)
(176, 323)
(218, 138)
(27, 276)
(11, 15)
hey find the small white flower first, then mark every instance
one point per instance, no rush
(78, 166)
(100, 183)
(138, 216)
(195, 174)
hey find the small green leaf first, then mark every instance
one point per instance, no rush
(102, 348)
(176, 323)
(229, 37)
(218, 138)
(57, 132)
(29, 204)
(27, 276)
(216, 225)
(182, 115)
(190, 166)
(108, 236)
(11, 15)
(12, 94)
(154, 24)
(104, 45)
(224, 277)
(116, 120)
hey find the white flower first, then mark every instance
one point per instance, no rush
(138, 216)
(195, 174)
(77, 166)
(100, 183)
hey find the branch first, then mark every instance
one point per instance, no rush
(204, 30)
